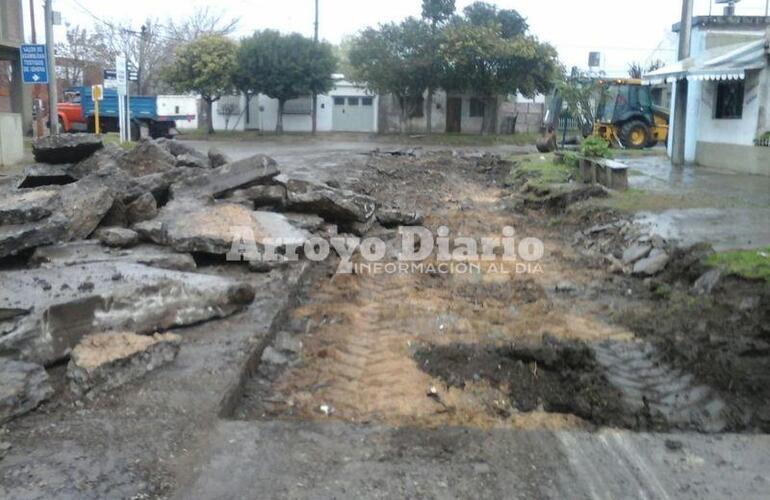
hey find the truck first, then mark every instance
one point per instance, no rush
(76, 114)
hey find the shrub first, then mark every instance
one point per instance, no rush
(572, 159)
(595, 147)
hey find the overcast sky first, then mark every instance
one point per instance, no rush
(623, 30)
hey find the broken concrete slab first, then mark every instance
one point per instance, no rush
(653, 264)
(148, 157)
(217, 158)
(88, 252)
(107, 157)
(23, 386)
(190, 226)
(19, 207)
(635, 253)
(393, 217)
(192, 161)
(105, 361)
(220, 182)
(308, 222)
(65, 148)
(262, 196)
(335, 205)
(43, 174)
(116, 216)
(142, 209)
(18, 238)
(129, 188)
(117, 237)
(84, 204)
(707, 282)
(179, 148)
(66, 303)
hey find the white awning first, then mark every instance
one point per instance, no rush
(722, 63)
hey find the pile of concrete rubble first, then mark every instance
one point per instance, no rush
(627, 248)
(98, 249)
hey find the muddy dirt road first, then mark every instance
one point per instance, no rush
(535, 382)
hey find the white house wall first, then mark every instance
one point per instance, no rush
(266, 112)
(741, 131)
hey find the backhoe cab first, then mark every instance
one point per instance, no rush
(626, 116)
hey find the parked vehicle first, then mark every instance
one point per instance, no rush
(76, 114)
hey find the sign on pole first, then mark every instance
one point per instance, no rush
(97, 94)
(121, 76)
(34, 63)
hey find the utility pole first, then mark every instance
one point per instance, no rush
(315, 94)
(36, 88)
(53, 93)
(142, 39)
(680, 109)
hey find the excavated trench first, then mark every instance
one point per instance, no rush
(481, 349)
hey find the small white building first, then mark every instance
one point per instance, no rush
(454, 112)
(184, 107)
(346, 108)
(728, 100)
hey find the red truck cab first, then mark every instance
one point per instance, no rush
(71, 113)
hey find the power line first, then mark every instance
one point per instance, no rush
(112, 26)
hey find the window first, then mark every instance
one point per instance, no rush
(477, 108)
(367, 101)
(339, 101)
(416, 107)
(729, 100)
(352, 101)
(300, 106)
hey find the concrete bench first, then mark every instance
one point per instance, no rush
(609, 173)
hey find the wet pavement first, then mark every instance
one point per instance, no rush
(735, 207)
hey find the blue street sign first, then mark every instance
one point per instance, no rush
(34, 63)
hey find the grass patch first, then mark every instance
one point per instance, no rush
(113, 138)
(750, 264)
(541, 170)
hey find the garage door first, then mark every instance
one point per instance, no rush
(353, 114)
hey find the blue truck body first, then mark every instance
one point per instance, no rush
(144, 113)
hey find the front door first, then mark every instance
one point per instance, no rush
(454, 112)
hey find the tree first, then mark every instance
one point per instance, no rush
(75, 54)
(342, 53)
(510, 22)
(145, 49)
(395, 59)
(206, 67)
(636, 69)
(479, 58)
(437, 13)
(284, 67)
(202, 22)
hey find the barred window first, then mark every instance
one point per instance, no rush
(729, 100)
(477, 108)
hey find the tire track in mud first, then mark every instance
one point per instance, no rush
(361, 367)
(653, 388)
